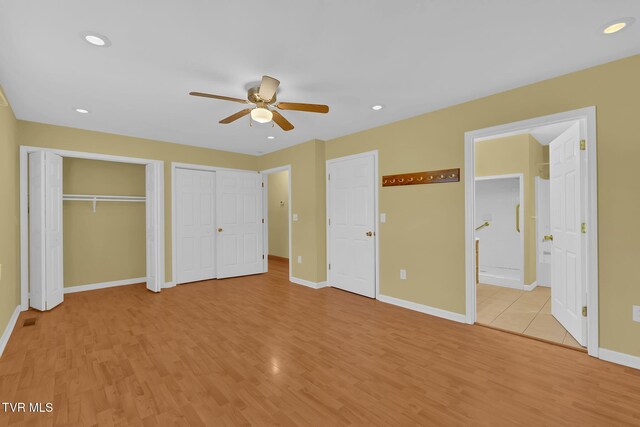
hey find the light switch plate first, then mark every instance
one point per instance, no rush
(383, 218)
(403, 274)
(295, 217)
(299, 259)
(636, 313)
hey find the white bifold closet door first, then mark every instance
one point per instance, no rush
(154, 224)
(239, 219)
(46, 278)
(568, 292)
(195, 225)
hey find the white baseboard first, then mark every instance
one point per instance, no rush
(303, 282)
(9, 329)
(103, 285)
(456, 317)
(531, 286)
(619, 358)
(489, 279)
(169, 285)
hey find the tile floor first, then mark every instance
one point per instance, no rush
(525, 312)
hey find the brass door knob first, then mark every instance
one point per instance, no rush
(369, 233)
(549, 237)
(219, 230)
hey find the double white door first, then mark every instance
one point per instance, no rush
(219, 228)
(351, 225)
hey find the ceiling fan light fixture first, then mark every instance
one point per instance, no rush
(261, 115)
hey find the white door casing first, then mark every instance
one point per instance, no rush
(154, 222)
(195, 225)
(239, 245)
(45, 223)
(567, 287)
(351, 224)
(543, 228)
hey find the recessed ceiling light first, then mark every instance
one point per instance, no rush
(82, 111)
(377, 107)
(617, 25)
(96, 39)
(271, 137)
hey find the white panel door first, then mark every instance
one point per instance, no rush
(45, 230)
(567, 288)
(195, 225)
(239, 219)
(351, 225)
(154, 224)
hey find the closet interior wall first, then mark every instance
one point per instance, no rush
(108, 244)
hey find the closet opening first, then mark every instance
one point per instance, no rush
(88, 221)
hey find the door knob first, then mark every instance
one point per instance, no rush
(549, 237)
(369, 233)
(219, 230)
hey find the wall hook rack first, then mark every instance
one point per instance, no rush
(415, 178)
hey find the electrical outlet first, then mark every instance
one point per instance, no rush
(299, 259)
(383, 218)
(403, 274)
(295, 217)
(636, 313)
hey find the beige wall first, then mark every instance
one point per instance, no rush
(43, 135)
(424, 232)
(108, 244)
(308, 201)
(279, 214)
(510, 155)
(9, 217)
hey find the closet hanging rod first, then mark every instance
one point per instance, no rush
(95, 198)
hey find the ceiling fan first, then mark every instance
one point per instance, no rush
(264, 98)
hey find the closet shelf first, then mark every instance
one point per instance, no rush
(95, 198)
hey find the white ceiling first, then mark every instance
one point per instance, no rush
(412, 56)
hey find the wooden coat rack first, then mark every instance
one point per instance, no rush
(416, 178)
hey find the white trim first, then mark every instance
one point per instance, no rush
(104, 285)
(9, 329)
(433, 311)
(505, 282)
(265, 210)
(531, 286)
(587, 118)
(619, 358)
(169, 285)
(376, 202)
(24, 206)
(308, 283)
(520, 178)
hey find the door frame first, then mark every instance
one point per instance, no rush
(265, 214)
(376, 222)
(587, 119)
(520, 177)
(537, 181)
(174, 208)
(158, 191)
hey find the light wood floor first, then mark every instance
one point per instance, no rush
(259, 350)
(525, 312)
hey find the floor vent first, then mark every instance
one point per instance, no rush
(29, 322)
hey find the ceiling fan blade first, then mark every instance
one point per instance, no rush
(281, 121)
(268, 88)
(224, 98)
(236, 116)
(311, 108)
